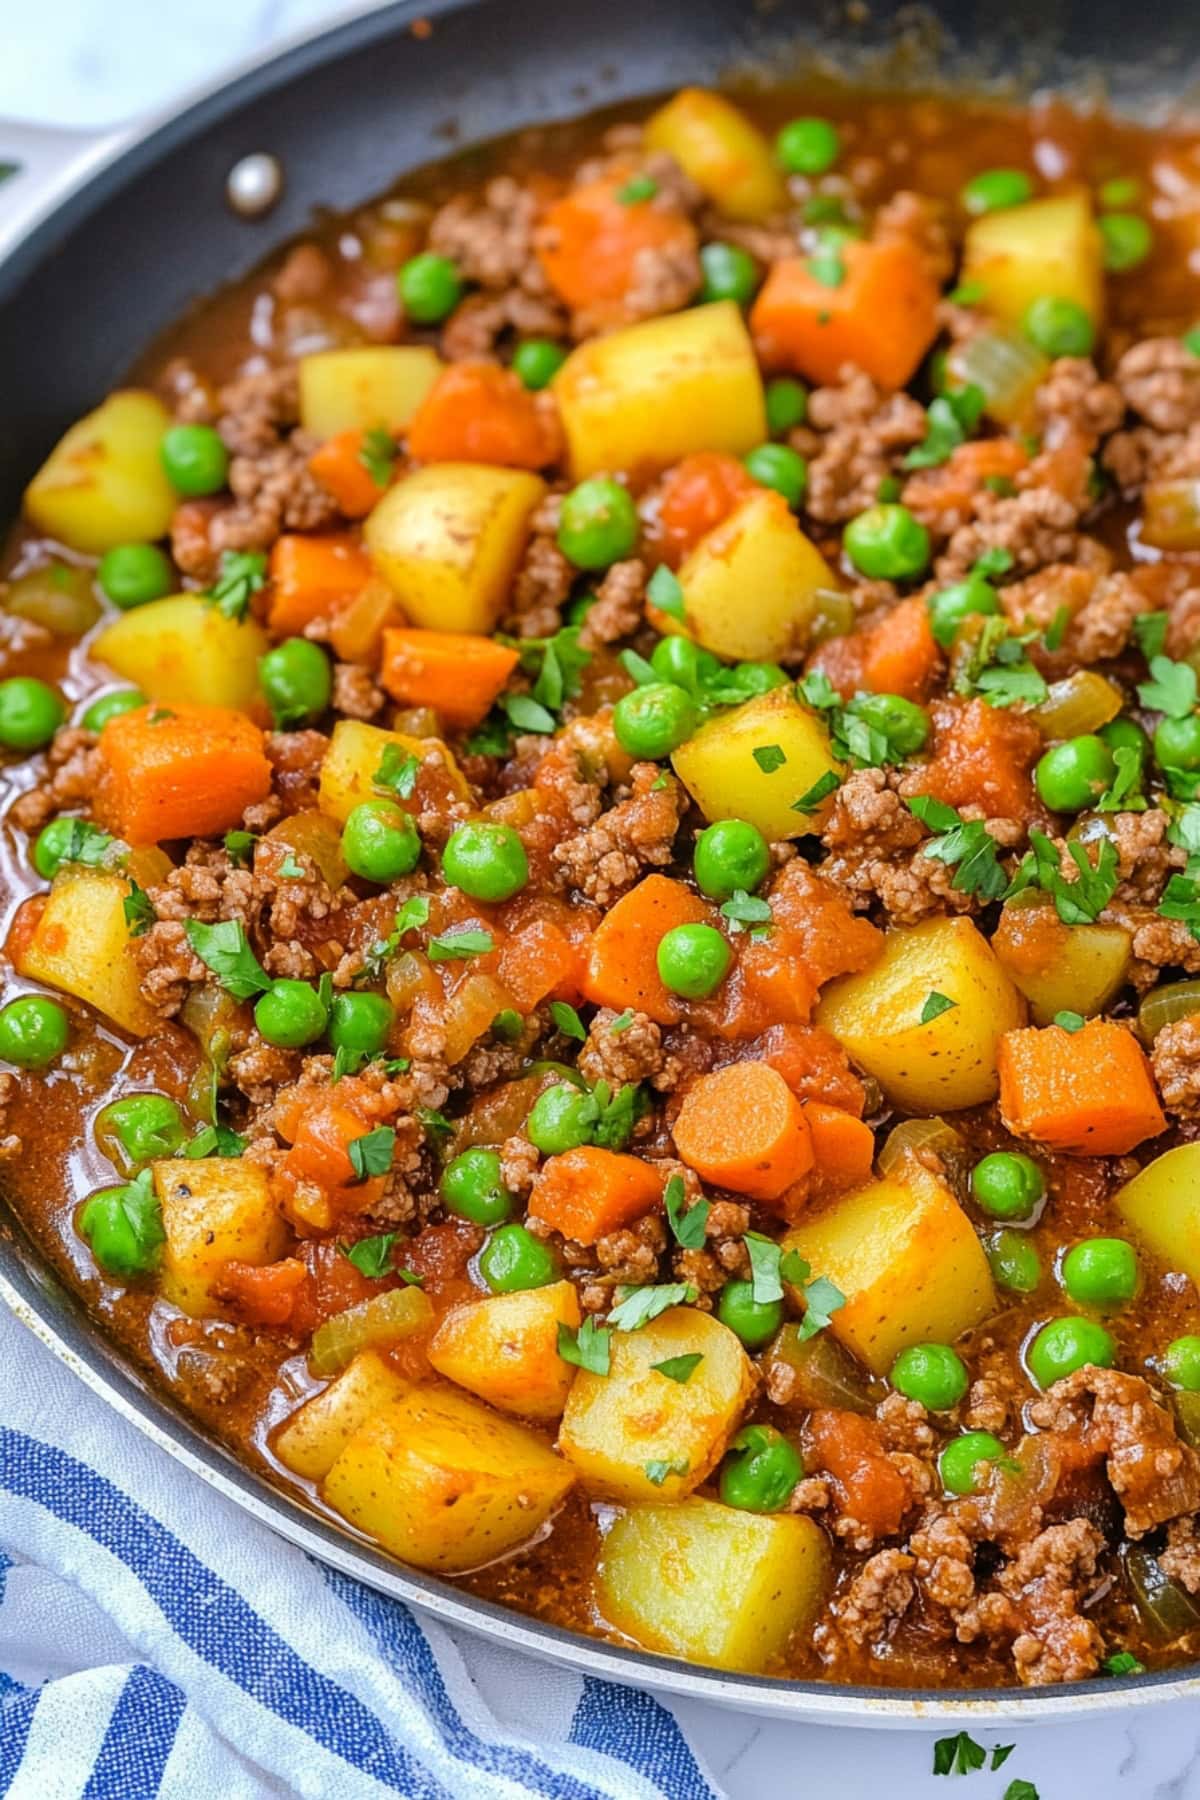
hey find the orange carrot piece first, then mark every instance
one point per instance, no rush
(843, 1149)
(587, 1193)
(459, 675)
(319, 1159)
(882, 315)
(539, 962)
(868, 1487)
(1087, 1093)
(590, 245)
(262, 1296)
(951, 486)
(480, 412)
(902, 655)
(312, 577)
(982, 756)
(697, 494)
(339, 467)
(180, 771)
(622, 966)
(743, 1128)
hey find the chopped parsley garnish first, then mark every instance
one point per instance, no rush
(855, 738)
(958, 1755)
(138, 910)
(1122, 1662)
(769, 757)
(460, 945)
(1150, 630)
(568, 1020)
(1078, 902)
(967, 293)
(1056, 630)
(1171, 689)
(743, 910)
(397, 772)
(687, 1223)
(638, 1305)
(621, 1023)
(1125, 794)
(377, 455)
(1070, 1021)
(371, 1256)
(999, 670)
(371, 1154)
(527, 714)
(555, 664)
(1020, 1790)
(508, 1025)
(616, 1114)
(225, 949)
(679, 1368)
(588, 1348)
(664, 591)
(950, 420)
(657, 1470)
(639, 671)
(242, 574)
(492, 739)
(215, 1140)
(812, 799)
(290, 869)
(435, 1122)
(996, 561)
(827, 265)
(93, 848)
(239, 847)
(935, 1005)
(964, 845)
(637, 189)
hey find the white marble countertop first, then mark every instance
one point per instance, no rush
(95, 62)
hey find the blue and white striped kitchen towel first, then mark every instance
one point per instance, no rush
(154, 1641)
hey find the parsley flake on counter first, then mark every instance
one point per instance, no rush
(958, 1755)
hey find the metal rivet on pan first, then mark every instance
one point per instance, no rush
(254, 184)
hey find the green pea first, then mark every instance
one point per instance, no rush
(360, 1023)
(655, 719)
(678, 660)
(380, 841)
(729, 855)
(1177, 743)
(1124, 733)
(1100, 1271)
(1127, 238)
(1181, 1363)
(597, 523)
(730, 273)
(561, 1118)
(146, 1126)
(902, 722)
(693, 960)
(124, 1227)
(513, 1259)
(1121, 190)
(961, 1457)
(577, 610)
(992, 189)
(787, 405)
(111, 706)
(777, 467)
(760, 1475)
(472, 1187)
(53, 842)
(33, 1032)
(1014, 1262)
(886, 543)
(132, 574)
(759, 677)
(934, 1374)
(1065, 1345)
(1059, 327)
(486, 860)
(950, 606)
(430, 287)
(808, 146)
(30, 713)
(195, 459)
(291, 1014)
(537, 361)
(1008, 1185)
(1072, 776)
(297, 681)
(754, 1321)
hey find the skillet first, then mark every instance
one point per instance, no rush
(107, 241)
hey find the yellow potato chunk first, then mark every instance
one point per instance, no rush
(907, 1259)
(949, 1061)
(1061, 968)
(715, 143)
(505, 1349)
(639, 399)
(214, 1208)
(751, 585)
(637, 1435)
(81, 945)
(364, 387)
(1161, 1205)
(355, 754)
(1049, 246)
(183, 651)
(315, 1435)
(712, 1584)
(448, 539)
(720, 771)
(445, 1483)
(103, 483)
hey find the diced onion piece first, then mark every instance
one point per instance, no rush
(913, 1136)
(58, 597)
(1078, 704)
(834, 615)
(371, 1325)
(1164, 1004)
(1165, 1608)
(821, 1373)
(1171, 515)
(1187, 1417)
(1006, 369)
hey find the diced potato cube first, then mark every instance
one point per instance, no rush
(215, 1209)
(719, 769)
(1061, 968)
(505, 1349)
(183, 650)
(636, 1434)
(907, 1259)
(639, 399)
(448, 539)
(103, 483)
(366, 386)
(1048, 246)
(713, 1584)
(728, 157)
(314, 1436)
(950, 1060)
(81, 945)
(750, 586)
(355, 754)
(1161, 1205)
(445, 1483)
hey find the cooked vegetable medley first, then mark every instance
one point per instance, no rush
(603, 872)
